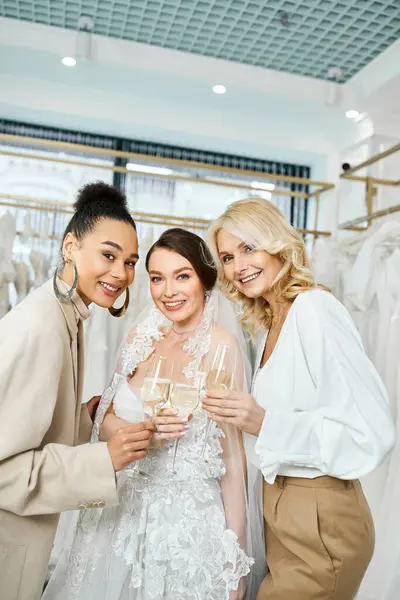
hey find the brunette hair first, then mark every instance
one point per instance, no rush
(193, 248)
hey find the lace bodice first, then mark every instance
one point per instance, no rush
(189, 465)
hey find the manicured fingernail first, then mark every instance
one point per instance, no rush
(174, 412)
(184, 419)
(186, 426)
(182, 433)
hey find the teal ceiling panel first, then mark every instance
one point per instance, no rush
(306, 37)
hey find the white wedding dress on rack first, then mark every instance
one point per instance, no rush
(373, 291)
(364, 272)
(7, 271)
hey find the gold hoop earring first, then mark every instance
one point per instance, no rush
(119, 312)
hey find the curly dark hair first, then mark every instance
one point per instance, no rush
(94, 202)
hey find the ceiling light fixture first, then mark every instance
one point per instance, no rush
(219, 89)
(83, 42)
(68, 61)
(333, 88)
(352, 114)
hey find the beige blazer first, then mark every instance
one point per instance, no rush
(41, 419)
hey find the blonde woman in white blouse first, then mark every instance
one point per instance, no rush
(318, 417)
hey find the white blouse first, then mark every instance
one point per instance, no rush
(327, 411)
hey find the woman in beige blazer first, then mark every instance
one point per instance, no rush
(41, 371)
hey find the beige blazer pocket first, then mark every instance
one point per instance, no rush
(12, 560)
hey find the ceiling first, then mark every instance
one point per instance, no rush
(319, 34)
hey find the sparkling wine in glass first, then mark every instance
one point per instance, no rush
(156, 386)
(220, 377)
(185, 398)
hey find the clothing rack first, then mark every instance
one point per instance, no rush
(181, 170)
(107, 153)
(24, 202)
(351, 225)
(371, 183)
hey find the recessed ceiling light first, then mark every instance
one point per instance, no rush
(219, 89)
(352, 114)
(68, 61)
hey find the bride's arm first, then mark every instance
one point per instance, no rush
(233, 483)
(111, 424)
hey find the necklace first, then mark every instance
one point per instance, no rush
(183, 332)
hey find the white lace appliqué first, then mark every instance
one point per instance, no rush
(167, 539)
(132, 355)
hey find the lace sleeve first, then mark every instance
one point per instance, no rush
(234, 496)
(237, 544)
(137, 348)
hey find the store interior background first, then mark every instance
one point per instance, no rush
(147, 92)
(145, 73)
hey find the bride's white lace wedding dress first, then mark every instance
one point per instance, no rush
(168, 539)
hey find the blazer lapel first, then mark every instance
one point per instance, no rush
(79, 374)
(75, 330)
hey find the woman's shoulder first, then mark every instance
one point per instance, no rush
(220, 335)
(319, 300)
(318, 310)
(39, 311)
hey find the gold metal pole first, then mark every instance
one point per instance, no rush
(350, 225)
(140, 217)
(173, 177)
(373, 179)
(371, 160)
(315, 232)
(316, 215)
(370, 198)
(79, 148)
(56, 204)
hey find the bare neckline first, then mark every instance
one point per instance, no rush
(260, 365)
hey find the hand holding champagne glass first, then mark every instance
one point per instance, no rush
(220, 377)
(156, 386)
(185, 398)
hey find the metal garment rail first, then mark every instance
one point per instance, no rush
(372, 182)
(319, 187)
(28, 203)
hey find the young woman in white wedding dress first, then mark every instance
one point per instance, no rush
(180, 531)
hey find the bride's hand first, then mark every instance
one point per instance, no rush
(235, 408)
(240, 592)
(169, 425)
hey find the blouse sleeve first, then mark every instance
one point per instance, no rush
(349, 430)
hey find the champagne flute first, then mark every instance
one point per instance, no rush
(185, 398)
(220, 378)
(156, 386)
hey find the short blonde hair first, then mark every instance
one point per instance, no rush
(261, 225)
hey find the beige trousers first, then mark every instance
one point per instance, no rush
(319, 539)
